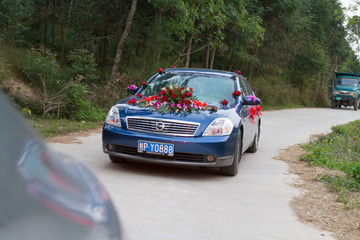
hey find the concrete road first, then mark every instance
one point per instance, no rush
(156, 202)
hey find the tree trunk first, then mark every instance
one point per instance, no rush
(53, 22)
(207, 55)
(64, 28)
(212, 58)
(188, 53)
(46, 23)
(62, 32)
(251, 67)
(115, 69)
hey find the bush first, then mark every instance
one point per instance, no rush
(82, 63)
(41, 64)
(78, 108)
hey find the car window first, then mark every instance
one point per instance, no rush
(207, 88)
(248, 87)
(347, 82)
(244, 88)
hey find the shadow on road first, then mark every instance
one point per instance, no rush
(165, 171)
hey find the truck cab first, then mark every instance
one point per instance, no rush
(346, 90)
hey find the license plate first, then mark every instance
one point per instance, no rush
(165, 149)
(338, 98)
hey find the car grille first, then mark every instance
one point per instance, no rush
(187, 157)
(162, 126)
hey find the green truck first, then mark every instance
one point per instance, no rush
(346, 90)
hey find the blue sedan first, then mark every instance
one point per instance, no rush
(185, 117)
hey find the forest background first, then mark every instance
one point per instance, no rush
(72, 59)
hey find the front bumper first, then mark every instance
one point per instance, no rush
(189, 151)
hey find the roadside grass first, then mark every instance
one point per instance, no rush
(339, 151)
(54, 127)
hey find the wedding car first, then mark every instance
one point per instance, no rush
(185, 117)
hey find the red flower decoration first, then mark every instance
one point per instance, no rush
(160, 71)
(157, 98)
(132, 101)
(238, 72)
(236, 94)
(164, 99)
(185, 94)
(173, 66)
(189, 94)
(182, 97)
(163, 92)
(224, 102)
(187, 102)
(181, 89)
(139, 95)
(170, 91)
(143, 83)
(173, 95)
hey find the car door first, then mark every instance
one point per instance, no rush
(248, 133)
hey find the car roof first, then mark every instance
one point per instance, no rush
(201, 71)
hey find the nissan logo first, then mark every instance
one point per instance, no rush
(160, 126)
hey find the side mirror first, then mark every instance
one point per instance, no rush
(251, 100)
(132, 89)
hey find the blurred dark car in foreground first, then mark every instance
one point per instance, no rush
(46, 195)
(186, 117)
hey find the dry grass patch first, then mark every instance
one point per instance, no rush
(317, 204)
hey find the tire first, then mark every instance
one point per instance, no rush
(356, 104)
(233, 169)
(116, 159)
(255, 144)
(332, 103)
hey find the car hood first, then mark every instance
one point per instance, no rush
(204, 117)
(346, 88)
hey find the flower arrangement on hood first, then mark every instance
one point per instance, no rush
(173, 99)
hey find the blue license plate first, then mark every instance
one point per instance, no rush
(166, 149)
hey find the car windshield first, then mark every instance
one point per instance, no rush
(207, 88)
(347, 82)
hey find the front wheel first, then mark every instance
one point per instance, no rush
(232, 170)
(332, 103)
(255, 144)
(356, 104)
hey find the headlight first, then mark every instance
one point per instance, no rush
(219, 127)
(113, 117)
